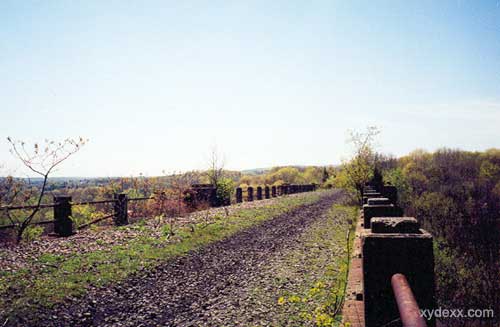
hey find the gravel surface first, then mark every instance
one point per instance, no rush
(196, 289)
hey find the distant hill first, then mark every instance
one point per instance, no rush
(261, 171)
(255, 171)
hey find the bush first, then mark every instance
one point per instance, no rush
(32, 233)
(224, 190)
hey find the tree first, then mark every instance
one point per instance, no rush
(215, 167)
(325, 175)
(216, 175)
(359, 169)
(12, 191)
(170, 201)
(311, 175)
(223, 192)
(41, 159)
(289, 175)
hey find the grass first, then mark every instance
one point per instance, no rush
(309, 281)
(59, 277)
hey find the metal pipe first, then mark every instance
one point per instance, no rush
(407, 305)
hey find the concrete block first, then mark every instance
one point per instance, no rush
(384, 210)
(378, 201)
(391, 225)
(387, 254)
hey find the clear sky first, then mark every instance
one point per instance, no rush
(154, 84)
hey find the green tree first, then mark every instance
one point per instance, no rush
(289, 175)
(359, 168)
(325, 175)
(224, 190)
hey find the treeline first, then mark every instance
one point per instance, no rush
(456, 197)
(139, 186)
(94, 189)
(318, 175)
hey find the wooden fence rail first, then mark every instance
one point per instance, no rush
(63, 224)
(62, 206)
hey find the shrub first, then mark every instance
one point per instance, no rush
(224, 190)
(32, 233)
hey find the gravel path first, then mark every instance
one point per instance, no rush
(196, 289)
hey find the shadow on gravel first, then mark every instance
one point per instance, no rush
(181, 291)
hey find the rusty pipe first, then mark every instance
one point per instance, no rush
(407, 305)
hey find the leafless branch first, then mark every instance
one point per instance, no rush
(43, 163)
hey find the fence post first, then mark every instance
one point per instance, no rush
(239, 195)
(369, 195)
(273, 191)
(396, 245)
(63, 225)
(121, 209)
(249, 193)
(390, 192)
(259, 193)
(379, 210)
(266, 192)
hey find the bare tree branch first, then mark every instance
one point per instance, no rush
(42, 163)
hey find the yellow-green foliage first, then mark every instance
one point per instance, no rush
(285, 175)
(456, 196)
(32, 233)
(84, 214)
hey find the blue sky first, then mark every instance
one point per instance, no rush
(155, 84)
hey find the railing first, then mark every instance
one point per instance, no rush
(394, 247)
(63, 224)
(267, 192)
(407, 305)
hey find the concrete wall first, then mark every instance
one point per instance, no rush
(393, 244)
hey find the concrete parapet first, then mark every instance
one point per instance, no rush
(387, 252)
(391, 225)
(390, 192)
(259, 192)
(378, 201)
(239, 195)
(383, 210)
(370, 195)
(249, 193)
